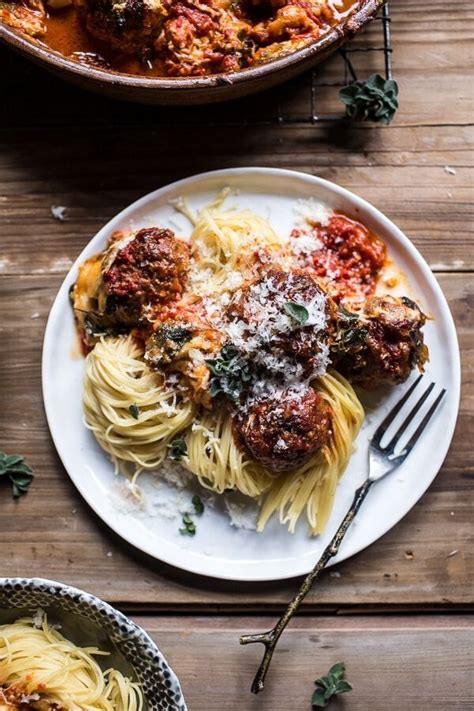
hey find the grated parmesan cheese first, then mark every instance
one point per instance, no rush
(242, 515)
(304, 244)
(310, 212)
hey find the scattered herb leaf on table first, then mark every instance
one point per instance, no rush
(330, 685)
(14, 468)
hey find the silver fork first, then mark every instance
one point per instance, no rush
(382, 461)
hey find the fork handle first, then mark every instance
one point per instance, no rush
(270, 639)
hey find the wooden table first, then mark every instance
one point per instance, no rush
(398, 613)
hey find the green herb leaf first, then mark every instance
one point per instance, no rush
(198, 505)
(177, 449)
(20, 475)
(337, 670)
(319, 699)
(297, 311)
(230, 371)
(375, 99)
(330, 685)
(189, 526)
(134, 411)
(166, 343)
(343, 686)
(350, 334)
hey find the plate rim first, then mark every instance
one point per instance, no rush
(192, 564)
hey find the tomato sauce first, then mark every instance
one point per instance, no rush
(349, 259)
(66, 33)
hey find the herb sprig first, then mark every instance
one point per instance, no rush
(229, 373)
(330, 685)
(375, 99)
(13, 467)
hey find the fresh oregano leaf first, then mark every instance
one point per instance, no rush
(189, 526)
(337, 670)
(319, 699)
(375, 99)
(197, 503)
(330, 685)
(13, 467)
(297, 311)
(229, 373)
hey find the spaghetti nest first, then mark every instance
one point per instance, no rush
(40, 666)
(218, 371)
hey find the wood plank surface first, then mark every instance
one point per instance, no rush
(65, 540)
(60, 146)
(394, 663)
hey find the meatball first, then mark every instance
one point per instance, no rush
(283, 433)
(382, 344)
(128, 25)
(138, 279)
(282, 314)
(183, 347)
(149, 267)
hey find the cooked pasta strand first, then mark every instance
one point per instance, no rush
(39, 659)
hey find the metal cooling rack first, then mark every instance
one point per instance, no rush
(307, 100)
(348, 56)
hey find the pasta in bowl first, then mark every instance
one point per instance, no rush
(62, 649)
(234, 349)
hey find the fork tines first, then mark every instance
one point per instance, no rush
(390, 447)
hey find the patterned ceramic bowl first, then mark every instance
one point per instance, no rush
(88, 621)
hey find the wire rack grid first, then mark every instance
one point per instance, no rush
(307, 100)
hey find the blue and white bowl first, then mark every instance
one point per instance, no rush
(88, 621)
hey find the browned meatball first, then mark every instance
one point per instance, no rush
(382, 344)
(183, 347)
(285, 432)
(150, 266)
(128, 25)
(138, 279)
(285, 313)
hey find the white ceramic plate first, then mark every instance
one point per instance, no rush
(218, 549)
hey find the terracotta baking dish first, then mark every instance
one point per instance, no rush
(192, 90)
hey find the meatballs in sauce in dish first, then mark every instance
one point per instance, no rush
(169, 38)
(233, 350)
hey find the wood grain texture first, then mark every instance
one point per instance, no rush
(409, 663)
(61, 146)
(65, 540)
